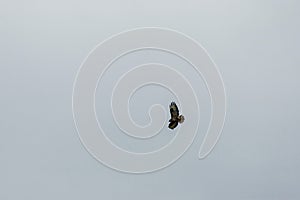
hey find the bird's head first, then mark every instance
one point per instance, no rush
(181, 119)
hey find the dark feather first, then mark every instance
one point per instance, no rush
(173, 124)
(174, 111)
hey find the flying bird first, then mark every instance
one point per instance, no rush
(175, 117)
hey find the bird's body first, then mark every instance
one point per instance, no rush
(175, 117)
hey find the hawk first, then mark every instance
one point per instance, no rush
(175, 117)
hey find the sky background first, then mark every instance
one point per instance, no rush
(256, 46)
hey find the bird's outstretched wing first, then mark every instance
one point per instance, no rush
(174, 112)
(174, 115)
(173, 124)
